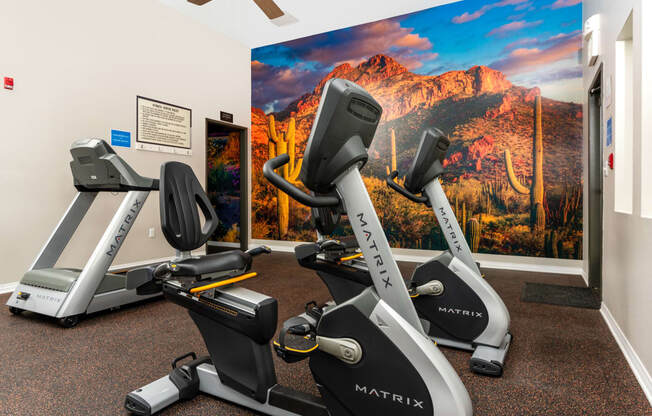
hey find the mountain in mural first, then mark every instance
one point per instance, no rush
(479, 108)
(483, 113)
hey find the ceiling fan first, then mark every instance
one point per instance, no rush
(271, 10)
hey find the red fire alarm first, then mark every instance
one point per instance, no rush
(9, 83)
(611, 161)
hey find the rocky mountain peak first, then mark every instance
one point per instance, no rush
(488, 80)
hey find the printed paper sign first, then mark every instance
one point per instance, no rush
(163, 124)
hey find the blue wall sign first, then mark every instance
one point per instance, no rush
(120, 138)
(609, 132)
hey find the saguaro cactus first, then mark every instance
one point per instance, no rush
(393, 151)
(473, 234)
(537, 213)
(463, 219)
(577, 249)
(551, 244)
(278, 144)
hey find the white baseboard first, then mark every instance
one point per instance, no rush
(526, 264)
(11, 286)
(635, 363)
(8, 287)
(223, 244)
(126, 266)
(585, 276)
(531, 267)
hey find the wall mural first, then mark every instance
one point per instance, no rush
(223, 183)
(503, 79)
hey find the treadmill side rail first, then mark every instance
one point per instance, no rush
(39, 299)
(98, 264)
(64, 230)
(115, 299)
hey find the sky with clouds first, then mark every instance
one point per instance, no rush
(534, 42)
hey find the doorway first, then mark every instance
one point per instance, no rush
(595, 185)
(226, 184)
(591, 296)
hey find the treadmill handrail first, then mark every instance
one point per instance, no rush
(122, 188)
(281, 183)
(398, 188)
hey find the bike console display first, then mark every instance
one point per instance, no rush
(344, 127)
(428, 163)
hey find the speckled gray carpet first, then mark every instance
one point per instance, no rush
(563, 361)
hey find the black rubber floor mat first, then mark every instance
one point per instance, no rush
(578, 297)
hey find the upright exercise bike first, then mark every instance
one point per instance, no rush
(457, 307)
(370, 355)
(462, 308)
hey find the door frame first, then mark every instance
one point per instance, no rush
(595, 183)
(244, 175)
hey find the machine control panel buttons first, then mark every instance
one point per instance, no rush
(22, 295)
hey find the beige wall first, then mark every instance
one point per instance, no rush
(627, 275)
(78, 66)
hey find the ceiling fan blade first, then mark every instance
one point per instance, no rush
(269, 8)
(198, 2)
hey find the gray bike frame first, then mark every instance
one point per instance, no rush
(465, 267)
(449, 225)
(383, 269)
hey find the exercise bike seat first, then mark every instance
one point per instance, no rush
(234, 260)
(182, 203)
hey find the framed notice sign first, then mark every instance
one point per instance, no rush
(162, 124)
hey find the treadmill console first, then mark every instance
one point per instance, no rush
(96, 168)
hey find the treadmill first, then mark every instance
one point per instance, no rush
(67, 293)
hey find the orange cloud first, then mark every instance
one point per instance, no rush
(522, 59)
(468, 17)
(413, 41)
(385, 36)
(564, 3)
(512, 27)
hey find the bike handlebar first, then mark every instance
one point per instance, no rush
(281, 183)
(398, 188)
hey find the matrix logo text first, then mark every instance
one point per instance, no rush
(448, 227)
(462, 312)
(372, 245)
(124, 228)
(385, 395)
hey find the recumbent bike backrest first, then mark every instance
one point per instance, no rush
(181, 198)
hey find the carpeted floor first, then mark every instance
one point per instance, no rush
(563, 361)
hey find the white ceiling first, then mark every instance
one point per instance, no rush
(244, 21)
